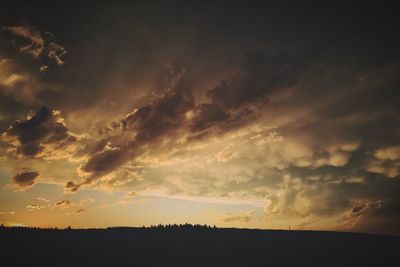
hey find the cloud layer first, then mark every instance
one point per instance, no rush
(299, 125)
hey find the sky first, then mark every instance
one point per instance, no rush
(228, 113)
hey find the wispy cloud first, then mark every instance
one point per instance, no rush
(245, 216)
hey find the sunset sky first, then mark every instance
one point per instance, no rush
(249, 115)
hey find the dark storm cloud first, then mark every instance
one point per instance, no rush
(44, 127)
(159, 34)
(145, 126)
(233, 101)
(25, 178)
(163, 116)
(91, 147)
(105, 161)
(207, 115)
(176, 111)
(158, 41)
(260, 75)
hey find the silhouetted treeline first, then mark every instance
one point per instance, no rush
(193, 245)
(172, 226)
(158, 226)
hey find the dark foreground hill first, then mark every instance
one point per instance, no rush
(192, 246)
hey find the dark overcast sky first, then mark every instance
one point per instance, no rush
(292, 104)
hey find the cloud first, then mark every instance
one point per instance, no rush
(245, 216)
(302, 160)
(42, 134)
(128, 198)
(56, 51)
(80, 211)
(43, 199)
(386, 161)
(77, 212)
(169, 118)
(253, 132)
(40, 43)
(355, 180)
(22, 84)
(13, 79)
(390, 153)
(357, 210)
(44, 68)
(206, 116)
(16, 85)
(25, 178)
(36, 47)
(7, 212)
(70, 184)
(143, 127)
(233, 101)
(32, 207)
(132, 194)
(105, 161)
(260, 75)
(63, 203)
(164, 116)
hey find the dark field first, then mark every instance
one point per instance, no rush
(195, 247)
